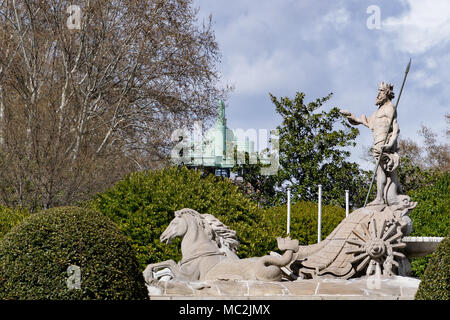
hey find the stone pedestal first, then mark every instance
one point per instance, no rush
(392, 288)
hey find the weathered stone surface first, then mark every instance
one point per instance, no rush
(231, 287)
(257, 288)
(339, 288)
(178, 288)
(301, 287)
(384, 126)
(155, 291)
(391, 288)
(209, 291)
(420, 246)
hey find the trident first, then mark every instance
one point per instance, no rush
(387, 134)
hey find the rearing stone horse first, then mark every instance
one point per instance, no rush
(208, 248)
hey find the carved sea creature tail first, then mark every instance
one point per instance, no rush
(279, 261)
(290, 246)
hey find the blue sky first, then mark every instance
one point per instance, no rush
(318, 47)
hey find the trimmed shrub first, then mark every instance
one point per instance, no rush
(303, 221)
(9, 218)
(35, 257)
(435, 284)
(431, 217)
(143, 204)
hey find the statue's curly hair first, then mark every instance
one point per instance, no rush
(388, 89)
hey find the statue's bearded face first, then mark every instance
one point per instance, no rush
(381, 98)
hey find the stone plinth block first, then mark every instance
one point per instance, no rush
(370, 288)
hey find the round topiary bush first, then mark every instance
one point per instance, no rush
(143, 204)
(435, 283)
(68, 253)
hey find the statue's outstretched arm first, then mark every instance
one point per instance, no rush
(353, 119)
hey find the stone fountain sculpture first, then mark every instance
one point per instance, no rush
(371, 241)
(368, 241)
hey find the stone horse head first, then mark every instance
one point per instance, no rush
(176, 228)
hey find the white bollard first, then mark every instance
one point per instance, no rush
(319, 218)
(346, 203)
(288, 210)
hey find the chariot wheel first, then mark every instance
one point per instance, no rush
(377, 247)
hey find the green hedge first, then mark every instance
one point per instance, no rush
(435, 284)
(36, 254)
(431, 217)
(9, 218)
(143, 204)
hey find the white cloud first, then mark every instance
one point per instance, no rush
(261, 74)
(337, 18)
(425, 79)
(425, 25)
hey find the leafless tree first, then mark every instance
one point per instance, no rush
(433, 154)
(79, 108)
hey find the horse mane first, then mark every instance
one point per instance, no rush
(217, 231)
(223, 235)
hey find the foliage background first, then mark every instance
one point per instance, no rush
(435, 284)
(314, 150)
(303, 224)
(431, 217)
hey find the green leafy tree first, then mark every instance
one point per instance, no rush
(259, 187)
(312, 152)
